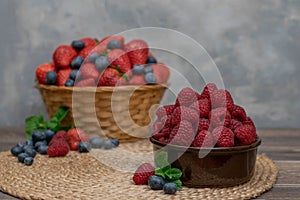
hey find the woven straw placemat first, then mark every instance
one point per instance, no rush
(83, 176)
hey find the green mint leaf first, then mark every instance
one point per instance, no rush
(60, 114)
(33, 123)
(173, 174)
(178, 183)
(161, 160)
(160, 172)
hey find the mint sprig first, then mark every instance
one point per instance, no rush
(37, 122)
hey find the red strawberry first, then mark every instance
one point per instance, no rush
(186, 97)
(58, 149)
(222, 98)
(42, 70)
(150, 54)
(223, 137)
(62, 76)
(219, 117)
(161, 71)
(137, 80)
(90, 82)
(109, 77)
(143, 173)
(86, 51)
(89, 70)
(182, 134)
(245, 134)
(119, 59)
(203, 139)
(89, 42)
(202, 106)
(105, 40)
(63, 56)
(75, 136)
(137, 51)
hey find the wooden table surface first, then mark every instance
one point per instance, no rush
(281, 145)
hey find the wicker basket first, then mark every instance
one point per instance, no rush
(122, 112)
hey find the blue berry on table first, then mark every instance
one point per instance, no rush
(108, 144)
(22, 156)
(27, 147)
(77, 62)
(69, 83)
(114, 44)
(16, 150)
(93, 57)
(51, 78)
(77, 45)
(170, 188)
(151, 59)
(115, 142)
(21, 144)
(42, 149)
(102, 63)
(137, 69)
(30, 152)
(38, 136)
(39, 143)
(96, 142)
(150, 78)
(148, 69)
(28, 161)
(29, 142)
(49, 134)
(84, 147)
(156, 182)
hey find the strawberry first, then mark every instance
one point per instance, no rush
(105, 40)
(89, 70)
(42, 70)
(137, 80)
(161, 71)
(109, 77)
(137, 51)
(75, 136)
(63, 56)
(119, 59)
(143, 173)
(150, 54)
(86, 51)
(89, 42)
(90, 82)
(62, 76)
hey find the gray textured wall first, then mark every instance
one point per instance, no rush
(256, 45)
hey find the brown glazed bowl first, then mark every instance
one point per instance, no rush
(221, 167)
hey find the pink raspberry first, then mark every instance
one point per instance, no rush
(165, 111)
(245, 134)
(184, 113)
(203, 139)
(219, 117)
(222, 98)
(239, 113)
(223, 136)
(182, 134)
(202, 106)
(186, 97)
(208, 90)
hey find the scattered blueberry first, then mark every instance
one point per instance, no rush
(102, 63)
(21, 157)
(30, 152)
(69, 83)
(49, 134)
(21, 144)
(115, 141)
(93, 57)
(28, 161)
(27, 147)
(151, 59)
(84, 147)
(39, 143)
(138, 69)
(16, 150)
(114, 44)
(150, 78)
(29, 142)
(38, 136)
(170, 188)
(42, 149)
(96, 142)
(77, 62)
(156, 182)
(148, 69)
(51, 78)
(108, 144)
(77, 44)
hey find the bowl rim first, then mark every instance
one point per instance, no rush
(235, 149)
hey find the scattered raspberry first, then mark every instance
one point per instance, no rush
(239, 113)
(202, 106)
(182, 134)
(63, 56)
(222, 98)
(234, 124)
(223, 137)
(203, 139)
(186, 97)
(245, 134)
(249, 122)
(60, 136)
(58, 149)
(165, 111)
(184, 113)
(219, 117)
(75, 136)
(208, 90)
(143, 173)
(203, 124)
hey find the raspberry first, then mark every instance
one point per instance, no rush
(186, 97)
(203, 124)
(208, 90)
(203, 139)
(219, 117)
(182, 134)
(162, 128)
(60, 136)
(75, 136)
(165, 110)
(143, 173)
(202, 106)
(245, 134)
(234, 124)
(239, 113)
(249, 122)
(58, 148)
(222, 98)
(223, 137)
(163, 140)
(184, 113)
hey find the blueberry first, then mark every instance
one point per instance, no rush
(150, 78)
(49, 135)
(51, 78)
(39, 143)
(77, 44)
(151, 59)
(69, 83)
(42, 149)
(156, 182)
(93, 57)
(114, 44)
(138, 69)
(28, 161)
(115, 141)
(27, 147)
(102, 63)
(170, 188)
(77, 62)
(16, 150)
(38, 136)
(148, 69)
(29, 142)
(84, 147)
(96, 143)
(30, 152)
(21, 157)
(21, 144)
(108, 144)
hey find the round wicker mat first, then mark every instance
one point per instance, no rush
(83, 176)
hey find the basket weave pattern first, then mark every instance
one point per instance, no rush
(123, 112)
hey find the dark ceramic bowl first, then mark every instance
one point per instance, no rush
(221, 167)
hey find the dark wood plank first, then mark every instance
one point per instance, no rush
(282, 193)
(289, 172)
